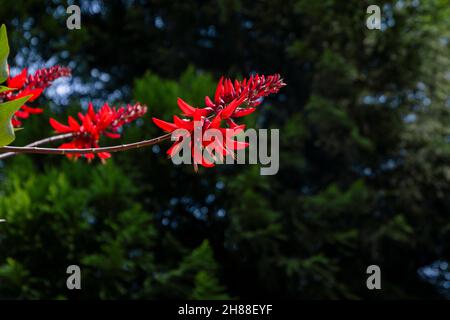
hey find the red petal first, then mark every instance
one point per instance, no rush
(180, 123)
(228, 110)
(91, 111)
(69, 145)
(215, 123)
(238, 129)
(34, 93)
(229, 88)
(59, 127)
(237, 87)
(238, 145)
(209, 103)
(226, 87)
(231, 123)
(104, 155)
(106, 108)
(219, 91)
(32, 110)
(88, 125)
(73, 124)
(21, 114)
(166, 126)
(112, 135)
(16, 123)
(206, 164)
(174, 149)
(187, 109)
(232, 131)
(18, 81)
(243, 112)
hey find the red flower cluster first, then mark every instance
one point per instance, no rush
(256, 87)
(105, 122)
(24, 85)
(201, 123)
(227, 104)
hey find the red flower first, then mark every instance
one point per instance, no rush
(255, 88)
(33, 85)
(105, 122)
(201, 124)
(227, 104)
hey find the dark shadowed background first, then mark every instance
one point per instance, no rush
(364, 153)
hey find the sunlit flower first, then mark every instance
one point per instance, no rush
(232, 100)
(23, 85)
(107, 121)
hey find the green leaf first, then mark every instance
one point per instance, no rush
(3, 89)
(4, 52)
(7, 110)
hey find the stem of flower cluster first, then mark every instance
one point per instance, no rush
(9, 151)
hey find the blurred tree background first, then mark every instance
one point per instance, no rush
(364, 155)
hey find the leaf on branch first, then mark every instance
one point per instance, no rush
(4, 52)
(7, 110)
(3, 89)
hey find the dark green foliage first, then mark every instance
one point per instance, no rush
(194, 278)
(71, 215)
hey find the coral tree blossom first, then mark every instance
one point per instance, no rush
(24, 85)
(231, 100)
(86, 132)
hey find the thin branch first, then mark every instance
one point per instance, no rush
(31, 148)
(37, 143)
(50, 139)
(9, 151)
